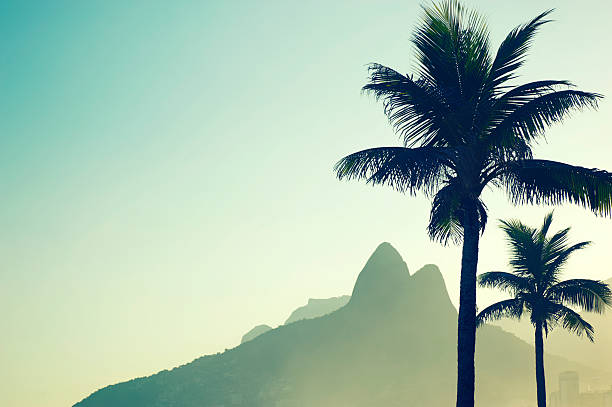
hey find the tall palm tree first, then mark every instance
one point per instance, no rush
(535, 285)
(465, 127)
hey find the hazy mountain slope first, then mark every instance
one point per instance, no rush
(393, 344)
(255, 332)
(313, 309)
(317, 308)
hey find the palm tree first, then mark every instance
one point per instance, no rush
(535, 285)
(464, 127)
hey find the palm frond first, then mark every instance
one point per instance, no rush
(528, 119)
(445, 216)
(551, 182)
(452, 49)
(507, 137)
(447, 213)
(404, 169)
(554, 259)
(545, 225)
(520, 94)
(416, 110)
(523, 250)
(589, 295)
(557, 243)
(553, 249)
(434, 43)
(508, 282)
(573, 322)
(511, 308)
(512, 51)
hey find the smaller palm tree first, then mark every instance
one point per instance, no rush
(534, 283)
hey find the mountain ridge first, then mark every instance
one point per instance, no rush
(317, 307)
(392, 344)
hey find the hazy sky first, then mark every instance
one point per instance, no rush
(166, 172)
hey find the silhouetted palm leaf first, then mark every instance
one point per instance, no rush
(589, 295)
(416, 110)
(553, 183)
(554, 259)
(445, 216)
(521, 239)
(512, 308)
(511, 53)
(529, 119)
(445, 219)
(507, 282)
(573, 322)
(405, 169)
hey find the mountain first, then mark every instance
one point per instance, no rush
(313, 309)
(580, 349)
(317, 308)
(393, 344)
(255, 332)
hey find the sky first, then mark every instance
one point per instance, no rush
(167, 183)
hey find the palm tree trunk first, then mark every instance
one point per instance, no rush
(466, 327)
(540, 378)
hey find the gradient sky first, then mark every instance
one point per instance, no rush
(166, 173)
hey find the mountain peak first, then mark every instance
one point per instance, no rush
(386, 249)
(431, 274)
(429, 288)
(384, 273)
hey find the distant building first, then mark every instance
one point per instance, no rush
(569, 394)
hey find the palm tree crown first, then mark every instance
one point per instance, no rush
(464, 126)
(535, 281)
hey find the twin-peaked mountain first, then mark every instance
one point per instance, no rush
(392, 344)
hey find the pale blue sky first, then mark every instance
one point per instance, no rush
(166, 170)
